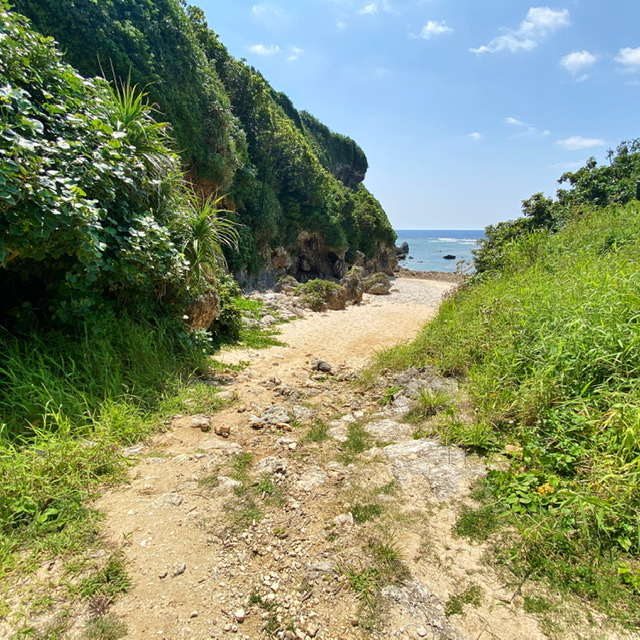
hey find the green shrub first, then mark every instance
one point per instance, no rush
(317, 294)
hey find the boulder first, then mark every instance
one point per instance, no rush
(378, 284)
(352, 283)
(203, 311)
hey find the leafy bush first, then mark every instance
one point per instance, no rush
(317, 294)
(89, 197)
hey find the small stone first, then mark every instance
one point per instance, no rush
(193, 614)
(226, 396)
(222, 430)
(163, 574)
(178, 569)
(422, 632)
(321, 365)
(312, 630)
(256, 423)
(240, 615)
(201, 422)
(228, 627)
(343, 520)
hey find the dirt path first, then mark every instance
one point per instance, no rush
(307, 512)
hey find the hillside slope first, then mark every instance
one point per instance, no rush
(295, 186)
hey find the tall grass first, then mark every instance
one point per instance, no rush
(67, 405)
(550, 354)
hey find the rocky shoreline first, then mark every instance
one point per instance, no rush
(443, 276)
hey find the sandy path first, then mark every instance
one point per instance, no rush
(351, 336)
(281, 571)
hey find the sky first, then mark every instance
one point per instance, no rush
(464, 108)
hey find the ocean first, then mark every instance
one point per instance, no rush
(428, 246)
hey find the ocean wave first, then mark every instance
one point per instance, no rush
(458, 240)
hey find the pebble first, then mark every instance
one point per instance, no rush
(240, 615)
(178, 569)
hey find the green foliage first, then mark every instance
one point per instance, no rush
(283, 171)
(550, 353)
(365, 512)
(316, 294)
(109, 581)
(207, 232)
(589, 187)
(88, 194)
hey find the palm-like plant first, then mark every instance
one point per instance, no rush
(208, 231)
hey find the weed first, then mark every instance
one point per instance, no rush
(536, 604)
(108, 582)
(428, 403)
(318, 432)
(472, 595)
(107, 627)
(358, 440)
(388, 489)
(387, 395)
(365, 512)
(477, 524)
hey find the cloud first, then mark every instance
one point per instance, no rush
(525, 130)
(433, 28)
(575, 143)
(369, 9)
(341, 25)
(296, 52)
(476, 136)
(539, 23)
(261, 50)
(630, 58)
(375, 6)
(271, 16)
(577, 61)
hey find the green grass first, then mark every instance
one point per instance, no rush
(364, 512)
(455, 605)
(548, 352)
(358, 440)
(318, 432)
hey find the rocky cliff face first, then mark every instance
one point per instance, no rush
(311, 259)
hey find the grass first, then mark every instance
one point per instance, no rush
(358, 440)
(318, 432)
(364, 512)
(472, 596)
(68, 405)
(548, 352)
(384, 567)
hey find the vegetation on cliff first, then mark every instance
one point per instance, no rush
(281, 172)
(547, 341)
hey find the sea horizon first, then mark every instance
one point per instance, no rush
(428, 248)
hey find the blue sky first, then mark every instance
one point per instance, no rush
(463, 107)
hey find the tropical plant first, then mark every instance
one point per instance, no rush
(207, 232)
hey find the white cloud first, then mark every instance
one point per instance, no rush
(296, 52)
(476, 135)
(341, 25)
(375, 6)
(629, 57)
(539, 23)
(261, 50)
(577, 61)
(434, 28)
(271, 16)
(369, 9)
(525, 130)
(575, 143)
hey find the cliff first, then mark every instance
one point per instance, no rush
(294, 185)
